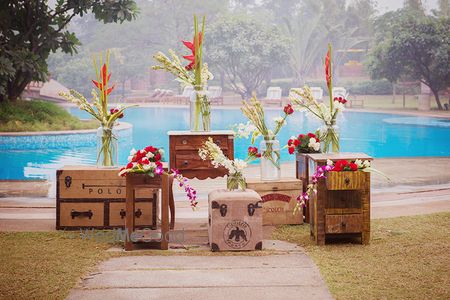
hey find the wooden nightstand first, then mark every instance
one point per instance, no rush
(184, 145)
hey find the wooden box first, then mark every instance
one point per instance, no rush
(90, 197)
(279, 199)
(184, 156)
(235, 220)
(341, 206)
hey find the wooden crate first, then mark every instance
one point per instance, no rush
(341, 206)
(279, 199)
(90, 197)
(235, 220)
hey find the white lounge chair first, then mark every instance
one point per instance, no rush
(215, 94)
(185, 96)
(273, 95)
(317, 93)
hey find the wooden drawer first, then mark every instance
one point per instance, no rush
(346, 180)
(195, 142)
(143, 214)
(190, 160)
(81, 214)
(343, 223)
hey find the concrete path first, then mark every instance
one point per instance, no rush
(288, 276)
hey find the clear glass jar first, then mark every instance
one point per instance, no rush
(270, 160)
(329, 136)
(236, 181)
(200, 109)
(107, 147)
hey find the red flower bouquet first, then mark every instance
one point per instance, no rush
(149, 161)
(304, 143)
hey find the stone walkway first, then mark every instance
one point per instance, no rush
(291, 275)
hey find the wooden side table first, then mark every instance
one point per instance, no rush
(184, 156)
(341, 206)
(140, 181)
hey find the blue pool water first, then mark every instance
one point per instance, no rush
(379, 135)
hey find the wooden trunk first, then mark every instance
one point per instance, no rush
(341, 206)
(184, 156)
(302, 173)
(90, 197)
(279, 199)
(235, 220)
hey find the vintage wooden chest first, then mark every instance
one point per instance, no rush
(89, 197)
(341, 206)
(279, 199)
(235, 220)
(184, 156)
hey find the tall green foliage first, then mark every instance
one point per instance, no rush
(31, 30)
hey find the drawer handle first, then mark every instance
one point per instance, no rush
(185, 163)
(343, 224)
(75, 213)
(275, 188)
(68, 181)
(184, 142)
(347, 180)
(137, 213)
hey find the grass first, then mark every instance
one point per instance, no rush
(38, 116)
(46, 265)
(408, 258)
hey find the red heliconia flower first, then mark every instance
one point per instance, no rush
(191, 46)
(104, 78)
(327, 69)
(288, 109)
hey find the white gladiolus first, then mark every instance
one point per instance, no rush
(239, 164)
(280, 120)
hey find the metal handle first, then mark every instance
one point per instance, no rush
(137, 213)
(343, 224)
(184, 142)
(185, 163)
(68, 181)
(275, 188)
(347, 180)
(75, 213)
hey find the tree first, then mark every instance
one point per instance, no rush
(245, 51)
(413, 47)
(31, 30)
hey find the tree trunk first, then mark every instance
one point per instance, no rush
(438, 101)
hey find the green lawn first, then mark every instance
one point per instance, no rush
(408, 258)
(39, 116)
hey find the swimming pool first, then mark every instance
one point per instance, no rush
(377, 134)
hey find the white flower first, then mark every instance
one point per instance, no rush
(146, 167)
(329, 162)
(244, 130)
(239, 164)
(130, 158)
(359, 163)
(150, 155)
(161, 151)
(152, 165)
(133, 151)
(316, 146)
(366, 164)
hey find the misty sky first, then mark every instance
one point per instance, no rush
(385, 5)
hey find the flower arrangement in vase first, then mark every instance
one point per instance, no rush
(269, 146)
(194, 74)
(304, 143)
(329, 131)
(235, 180)
(149, 161)
(107, 141)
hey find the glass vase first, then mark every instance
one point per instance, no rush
(107, 147)
(236, 181)
(200, 109)
(270, 160)
(329, 135)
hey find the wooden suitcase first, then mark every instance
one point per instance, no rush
(235, 220)
(90, 197)
(279, 199)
